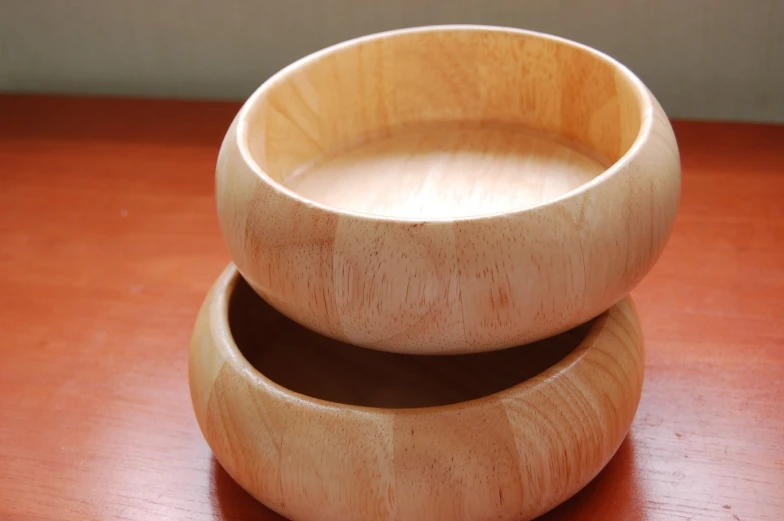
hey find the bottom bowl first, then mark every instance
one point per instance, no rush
(317, 429)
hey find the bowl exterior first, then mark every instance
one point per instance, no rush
(509, 456)
(460, 286)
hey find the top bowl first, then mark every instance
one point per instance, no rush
(448, 189)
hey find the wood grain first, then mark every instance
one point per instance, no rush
(445, 170)
(503, 435)
(109, 242)
(421, 271)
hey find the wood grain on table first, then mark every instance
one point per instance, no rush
(109, 241)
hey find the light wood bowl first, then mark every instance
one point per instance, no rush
(320, 430)
(448, 189)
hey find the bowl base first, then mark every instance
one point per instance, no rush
(446, 170)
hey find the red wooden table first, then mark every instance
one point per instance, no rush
(109, 241)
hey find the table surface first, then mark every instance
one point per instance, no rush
(109, 241)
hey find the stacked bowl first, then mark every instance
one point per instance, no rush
(434, 233)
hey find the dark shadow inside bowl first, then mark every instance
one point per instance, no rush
(306, 362)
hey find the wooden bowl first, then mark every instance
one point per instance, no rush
(320, 430)
(448, 189)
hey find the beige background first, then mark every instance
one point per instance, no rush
(717, 59)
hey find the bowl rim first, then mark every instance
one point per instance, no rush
(223, 341)
(645, 102)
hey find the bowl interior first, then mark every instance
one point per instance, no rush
(443, 122)
(305, 362)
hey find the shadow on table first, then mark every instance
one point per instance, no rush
(614, 494)
(233, 503)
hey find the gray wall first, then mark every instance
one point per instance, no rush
(716, 59)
